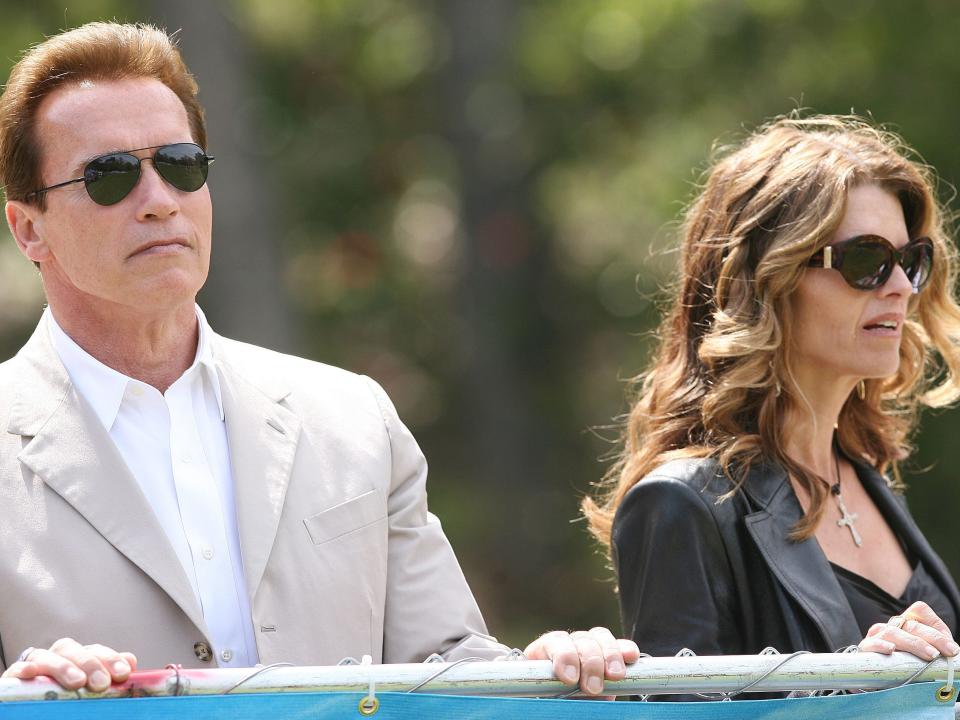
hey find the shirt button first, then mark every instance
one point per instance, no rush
(136, 391)
(185, 459)
(226, 655)
(202, 651)
(207, 554)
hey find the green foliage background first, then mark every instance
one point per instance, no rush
(474, 203)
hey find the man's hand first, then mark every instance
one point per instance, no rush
(74, 665)
(585, 657)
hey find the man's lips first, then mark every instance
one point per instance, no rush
(161, 246)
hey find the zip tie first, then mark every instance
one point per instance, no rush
(370, 704)
(947, 692)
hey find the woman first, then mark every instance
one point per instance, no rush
(752, 505)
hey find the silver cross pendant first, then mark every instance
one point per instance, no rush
(849, 519)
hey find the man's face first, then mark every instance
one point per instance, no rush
(150, 252)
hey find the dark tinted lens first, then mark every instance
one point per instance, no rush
(183, 165)
(867, 263)
(918, 261)
(109, 179)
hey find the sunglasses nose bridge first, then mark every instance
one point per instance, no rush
(159, 195)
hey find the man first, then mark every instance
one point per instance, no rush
(167, 490)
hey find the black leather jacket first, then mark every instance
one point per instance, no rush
(724, 578)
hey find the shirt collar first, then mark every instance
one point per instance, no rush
(104, 388)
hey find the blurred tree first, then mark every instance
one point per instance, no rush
(474, 203)
(244, 296)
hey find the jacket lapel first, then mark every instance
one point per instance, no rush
(70, 450)
(894, 509)
(262, 436)
(801, 567)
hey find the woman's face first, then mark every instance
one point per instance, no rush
(842, 334)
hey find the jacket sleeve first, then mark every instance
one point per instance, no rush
(429, 606)
(676, 586)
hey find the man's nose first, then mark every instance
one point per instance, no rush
(156, 197)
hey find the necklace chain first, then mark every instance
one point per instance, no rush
(847, 518)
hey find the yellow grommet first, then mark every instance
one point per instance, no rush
(946, 693)
(368, 705)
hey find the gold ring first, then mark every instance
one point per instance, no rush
(897, 621)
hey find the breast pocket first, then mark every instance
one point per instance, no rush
(350, 515)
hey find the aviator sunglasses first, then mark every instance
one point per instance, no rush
(110, 178)
(867, 261)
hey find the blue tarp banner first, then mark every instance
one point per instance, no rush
(912, 702)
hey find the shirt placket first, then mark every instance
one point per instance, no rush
(203, 526)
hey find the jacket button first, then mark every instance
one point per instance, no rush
(202, 651)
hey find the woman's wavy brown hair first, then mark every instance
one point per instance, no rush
(721, 380)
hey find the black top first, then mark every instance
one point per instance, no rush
(724, 578)
(872, 604)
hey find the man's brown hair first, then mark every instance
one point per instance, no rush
(95, 51)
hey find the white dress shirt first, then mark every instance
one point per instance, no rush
(175, 444)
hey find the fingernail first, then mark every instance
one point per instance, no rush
(120, 667)
(616, 667)
(99, 679)
(75, 675)
(953, 648)
(932, 652)
(571, 673)
(594, 686)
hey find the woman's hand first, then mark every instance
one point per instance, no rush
(917, 630)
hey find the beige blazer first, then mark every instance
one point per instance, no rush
(340, 554)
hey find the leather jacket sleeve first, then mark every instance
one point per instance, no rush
(676, 585)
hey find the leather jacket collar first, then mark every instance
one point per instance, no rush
(802, 568)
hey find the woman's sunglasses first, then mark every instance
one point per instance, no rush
(867, 261)
(110, 178)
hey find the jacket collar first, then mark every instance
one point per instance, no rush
(263, 434)
(67, 446)
(800, 567)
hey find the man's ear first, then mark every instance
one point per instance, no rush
(22, 219)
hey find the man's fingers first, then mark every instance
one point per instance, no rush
(585, 657)
(629, 650)
(74, 666)
(53, 665)
(22, 670)
(117, 665)
(591, 654)
(615, 664)
(559, 647)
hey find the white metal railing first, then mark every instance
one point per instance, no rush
(527, 678)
